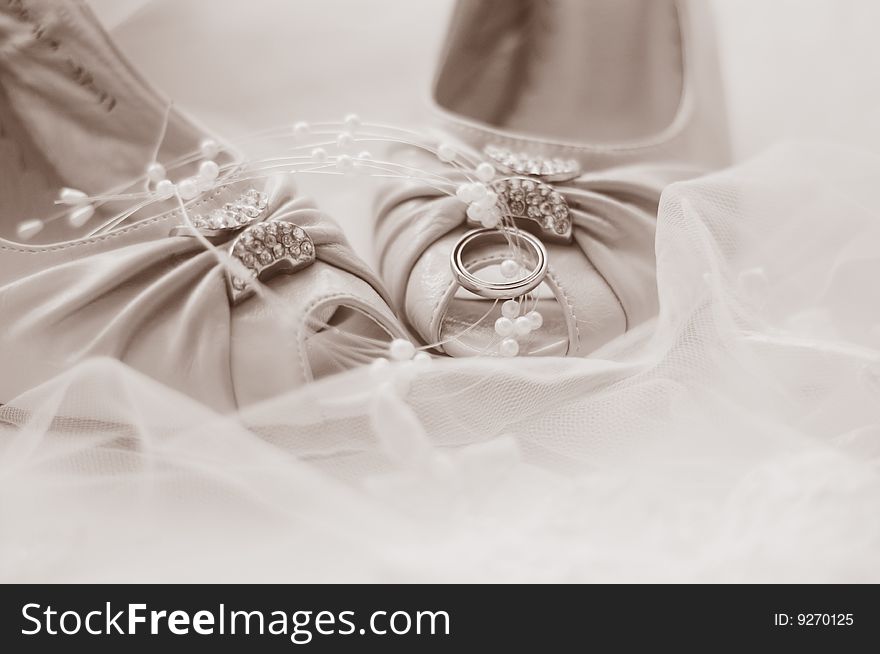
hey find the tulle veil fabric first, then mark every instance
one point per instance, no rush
(734, 438)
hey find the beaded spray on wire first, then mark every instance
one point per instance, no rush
(325, 148)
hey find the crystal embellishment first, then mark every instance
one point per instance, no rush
(530, 199)
(523, 163)
(251, 207)
(262, 248)
(265, 250)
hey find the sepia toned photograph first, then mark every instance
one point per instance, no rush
(438, 291)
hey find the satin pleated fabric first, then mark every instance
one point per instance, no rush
(159, 304)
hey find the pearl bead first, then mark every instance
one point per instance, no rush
(29, 228)
(489, 200)
(344, 140)
(536, 318)
(475, 212)
(301, 129)
(504, 327)
(156, 172)
(401, 349)
(490, 219)
(188, 188)
(319, 155)
(362, 162)
(378, 367)
(344, 163)
(509, 347)
(80, 216)
(422, 360)
(352, 121)
(72, 196)
(522, 326)
(446, 153)
(478, 192)
(209, 148)
(209, 170)
(510, 309)
(485, 172)
(471, 192)
(164, 188)
(509, 268)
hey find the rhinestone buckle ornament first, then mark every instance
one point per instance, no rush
(264, 248)
(522, 163)
(527, 195)
(529, 199)
(220, 223)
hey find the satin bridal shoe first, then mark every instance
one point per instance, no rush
(562, 122)
(134, 274)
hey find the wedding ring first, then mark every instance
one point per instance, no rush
(533, 253)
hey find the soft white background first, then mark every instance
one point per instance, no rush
(736, 439)
(794, 69)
